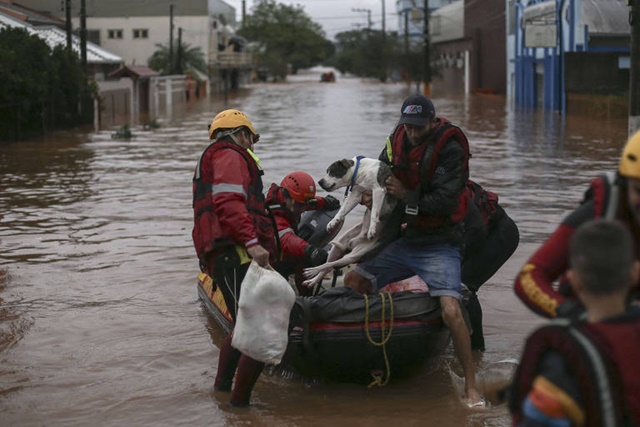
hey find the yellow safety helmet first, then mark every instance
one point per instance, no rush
(230, 119)
(630, 161)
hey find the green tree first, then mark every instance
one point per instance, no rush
(364, 53)
(68, 85)
(367, 53)
(185, 59)
(285, 35)
(39, 89)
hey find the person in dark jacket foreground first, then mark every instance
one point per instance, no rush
(430, 163)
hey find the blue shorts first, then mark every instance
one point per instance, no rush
(438, 265)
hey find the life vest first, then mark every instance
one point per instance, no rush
(487, 203)
(416, 168)
(604, 357)
(208, 235)
(276, 202)
(605, 193)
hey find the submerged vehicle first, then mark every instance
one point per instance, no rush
(341, 335)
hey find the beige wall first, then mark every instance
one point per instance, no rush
(195, 32)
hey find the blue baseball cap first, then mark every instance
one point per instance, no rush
(417, 110)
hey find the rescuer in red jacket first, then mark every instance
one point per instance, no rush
(609, 196)
(585, 372)
(231, 227)
(287, 201)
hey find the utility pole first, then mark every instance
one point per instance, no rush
(244, 12)
(383, 52)
(406, 32)
(179, 55)
(634, 71)
(171, 39)
(83, 35)
(67, 12)
(368, 12)
(384, 29)
(427, 52)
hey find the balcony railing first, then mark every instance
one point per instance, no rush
(233, 60)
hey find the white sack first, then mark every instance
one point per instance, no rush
(261, 330)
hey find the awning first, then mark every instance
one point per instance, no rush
(134, 72)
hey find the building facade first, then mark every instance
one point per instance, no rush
(563, 50)
(467, 39)
(135, 30)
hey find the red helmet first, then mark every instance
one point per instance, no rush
(300, 186)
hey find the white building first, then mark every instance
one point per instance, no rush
(135, 29)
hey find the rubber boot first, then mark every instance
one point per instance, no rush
(475, 317)
(227, 364)
(248, 372)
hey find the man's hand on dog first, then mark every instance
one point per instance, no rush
(395, 188)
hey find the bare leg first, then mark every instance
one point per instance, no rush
(357, 282)
(452, 317)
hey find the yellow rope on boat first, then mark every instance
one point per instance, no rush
(384, 337)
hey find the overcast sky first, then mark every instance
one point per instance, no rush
(336, 16)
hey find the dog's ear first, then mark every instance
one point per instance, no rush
(340, 167)
(347, 163)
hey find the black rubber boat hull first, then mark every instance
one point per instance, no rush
(342, 350)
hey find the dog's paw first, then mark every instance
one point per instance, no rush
(309, 283)
(371, 234)
(313, 277)
(334, 224)
(310, 272)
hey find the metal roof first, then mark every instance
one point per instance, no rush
(606, 16)
(134, 71)
(601, 17)
(54, 36)
(31, 16)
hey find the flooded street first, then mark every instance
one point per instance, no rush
(99, 318)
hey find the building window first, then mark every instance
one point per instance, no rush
(93, 36)
(114, 34)
(141, 33)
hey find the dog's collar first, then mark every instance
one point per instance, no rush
(353, 177)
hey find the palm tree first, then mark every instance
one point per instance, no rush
(185, 59)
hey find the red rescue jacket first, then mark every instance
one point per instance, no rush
(228, 204)
(292, 246)
(416, 168)
(604, 357)
(534, 285)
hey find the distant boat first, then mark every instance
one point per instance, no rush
(328, 77)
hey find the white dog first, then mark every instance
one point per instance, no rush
(358, 175)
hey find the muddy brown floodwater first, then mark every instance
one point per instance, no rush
(99, 318)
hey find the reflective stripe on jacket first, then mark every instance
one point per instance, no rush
(228, 204)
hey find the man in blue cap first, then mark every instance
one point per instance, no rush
(430, 161)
